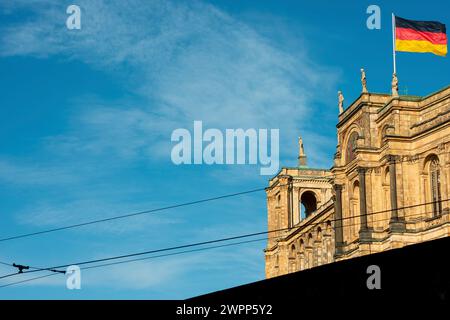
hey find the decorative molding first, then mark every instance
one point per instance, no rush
(410, 159)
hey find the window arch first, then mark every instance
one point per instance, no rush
(301, 245)
(351, 145)
(310, 255)
(386, 203)
(293, 249)
(301, 249)
(435, 184)
(355, 212)
(292, 259)
(319, 234)
(328, 228)
(328, 244)
(308, 204)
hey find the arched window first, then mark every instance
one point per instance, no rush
(293, 250)
(383, 218)
(319, 233)
(353, 222)
(302, 254)
(318, 247)
(351, 145)
(308, 204)
(435, 185)
(309, 253)
(292, 259)
(329, 243)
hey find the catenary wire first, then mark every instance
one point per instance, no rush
(160, 209)
(128, 215)
(141, 259)
(181, 252)
(215, 241)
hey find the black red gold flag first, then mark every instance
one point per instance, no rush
(420, 36)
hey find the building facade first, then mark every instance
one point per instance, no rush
(389, 185)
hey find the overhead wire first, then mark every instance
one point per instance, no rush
(206, 242)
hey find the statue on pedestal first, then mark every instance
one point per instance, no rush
(394, 85)
(363, 81)
(341, 102)
(301, 154)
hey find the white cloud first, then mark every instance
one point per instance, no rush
(24, 173)
(53, 214)
(162, 275)
(185, 61)
(191, 61)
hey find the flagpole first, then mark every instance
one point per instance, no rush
(393, 42)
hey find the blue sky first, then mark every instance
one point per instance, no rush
(86, 117)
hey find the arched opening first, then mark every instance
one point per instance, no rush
(308, 204)
(309, 253)
(319, 233)
(318, 247)
(351, 145)
(329, 243)
(302, 254)
(292, 259)
(353, 221)
(434, 173)
(382, 219)
(328, 228)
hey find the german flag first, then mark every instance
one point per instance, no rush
(420, 36)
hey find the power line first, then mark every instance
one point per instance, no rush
(141, 259)
(161, 209)
(175, 253)
(129, 215)
(21, 267)
(219, 240)
(10, 275)
(28, 280)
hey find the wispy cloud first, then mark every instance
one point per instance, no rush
(190, 61)
(180, 61)
(15, 172)
(160, 277)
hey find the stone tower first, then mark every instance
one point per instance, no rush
(292, 198)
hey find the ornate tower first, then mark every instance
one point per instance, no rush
(294, 197)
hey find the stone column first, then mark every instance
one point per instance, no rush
(328, 251)
(295, 206)
(309, 257)
(301, 261)
(318, 253)
(290, 204)
(364, 233)
(393, 187)
(395, 223)
(338, 233)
